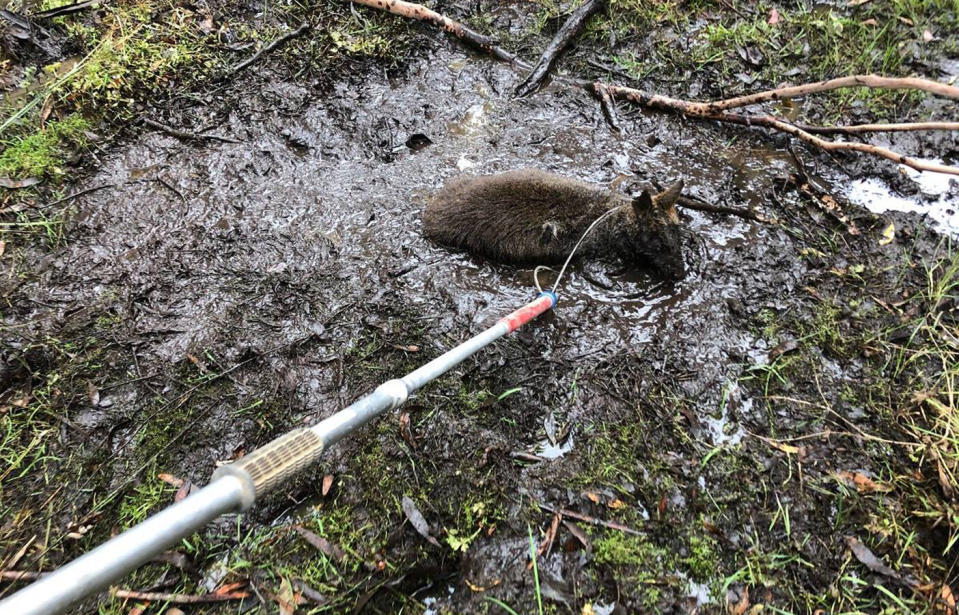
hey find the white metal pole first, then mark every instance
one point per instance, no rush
(236, 486)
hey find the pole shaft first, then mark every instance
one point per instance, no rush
(113, 559)
(237, 485)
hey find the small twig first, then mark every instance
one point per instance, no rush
(853, 81)
(589, 519)
(20, 575)
(861, 128)
(178, 598)
(608, 106)
(690, 203)
(277, 43)
(69, 9)
(184, 135)
(421, 13)
(70, 197)
(564, 37)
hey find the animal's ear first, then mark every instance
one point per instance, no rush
(668, 197)
(643, 203)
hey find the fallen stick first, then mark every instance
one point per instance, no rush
(178, 598)
(419, 12)
(185, 135)
(566, 34)
(20, 575)
(265, 50)
(861, 128)
(831, 146)
(853, 81)
(68, 9)
(588, 519)
(706, 110)
(608, 106)
(698, 205)
(694, 109)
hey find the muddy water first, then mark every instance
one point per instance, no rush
(312, 222)
(324, 193)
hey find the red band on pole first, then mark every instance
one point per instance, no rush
(527, 313)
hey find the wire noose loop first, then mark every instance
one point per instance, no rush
(571, 254)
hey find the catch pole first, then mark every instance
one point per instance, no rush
(235, 487)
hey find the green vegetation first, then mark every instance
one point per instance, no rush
(737, 46)
(43, 152)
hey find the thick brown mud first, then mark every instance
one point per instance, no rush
(288, 252)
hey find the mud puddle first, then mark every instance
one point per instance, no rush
(309, 229)
(935, 195)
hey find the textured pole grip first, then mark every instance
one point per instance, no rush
(282, 458)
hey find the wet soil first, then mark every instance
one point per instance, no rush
(294, 261)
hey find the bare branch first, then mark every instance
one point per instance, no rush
(277, 43)
(715, 110)
(862, 128)
(853, 81)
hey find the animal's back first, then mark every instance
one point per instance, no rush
(518, 216)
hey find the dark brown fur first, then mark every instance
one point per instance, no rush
(535, 217)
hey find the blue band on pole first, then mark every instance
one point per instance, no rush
(551, 295)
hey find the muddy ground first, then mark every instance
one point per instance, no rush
(209, 296)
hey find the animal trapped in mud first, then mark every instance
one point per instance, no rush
(534, 217)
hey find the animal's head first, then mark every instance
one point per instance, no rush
(655, 233)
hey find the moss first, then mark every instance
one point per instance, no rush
(702, 561)
(146, 498)
(42, 153)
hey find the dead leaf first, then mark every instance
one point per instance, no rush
(616, 504)
(789, 449)
(944, 480)
(861, 482)
(286, 599)
(773, 17)
(868, 559)
(662, 506)
(16, 184)
(947, 600)
(410, 348)
(321, 544)
(23, 402)
(405, 432)
(593, 497)
(480, 588)
(418, 521)
(327, 483)
(140, 609)
(907, 21)
(888, 235)
(93, 394)
(857, 2)
(3, 247)
(170, 479)
(200, 364)
(870, 22)
(927, 36)
(174, 611)
(229, 590)
(46, 109)
(206, 26)
(740, 607)
(550, 536)
(186, 489)
(578, 534)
